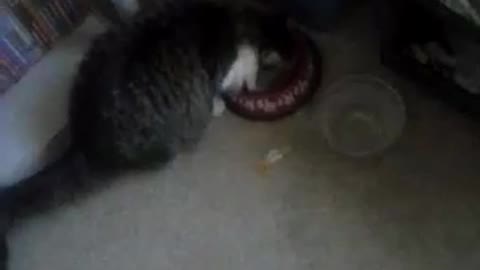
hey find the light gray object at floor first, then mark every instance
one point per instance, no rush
(35, 109)
(361, 115)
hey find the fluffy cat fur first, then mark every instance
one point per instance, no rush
(142, 95)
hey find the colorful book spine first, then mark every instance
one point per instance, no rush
(4, 62)
(23, 42)
(62, 24)
(29, 21)
(49, 20)
(60, 9)
(12, 59)
(40, 21)
(28, 28)
(5, 82)
(19, 49)
(77, 8)
(8, 53)
(7, 78)
(40, 10)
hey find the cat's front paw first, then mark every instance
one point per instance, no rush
(243, 71)
(218, 107)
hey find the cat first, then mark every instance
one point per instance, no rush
(145, 93)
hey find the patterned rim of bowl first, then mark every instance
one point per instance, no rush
(284, 98)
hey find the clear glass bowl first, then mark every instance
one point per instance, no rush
(361, 115)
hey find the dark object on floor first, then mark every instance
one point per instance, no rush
(289, 91)
(4, 224)
(3, 252)
(431, 44)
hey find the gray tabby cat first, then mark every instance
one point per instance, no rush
(143, 94)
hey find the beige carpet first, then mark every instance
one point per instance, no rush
(417, 207)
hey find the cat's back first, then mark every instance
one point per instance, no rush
(143, 92)
(178, 37)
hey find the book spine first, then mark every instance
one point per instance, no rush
(41, 12)
(69, 8)
(40, 22)
(63, 11)
(23, 15)
(40, 35)
(21, 39)
(11, 60)
(8, 41)
(68, 11)
(6, 79)
(60, 22)
(19, 27)
(6, 65)
(50, 19)
(16, 46)
(76, 8)
(4, 62)
(28, 48)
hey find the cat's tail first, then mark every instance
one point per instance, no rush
(59, 183)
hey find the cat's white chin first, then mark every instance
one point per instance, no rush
(243, 71)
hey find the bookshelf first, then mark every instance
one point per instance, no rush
(28, 29)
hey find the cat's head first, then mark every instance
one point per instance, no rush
(258, 30)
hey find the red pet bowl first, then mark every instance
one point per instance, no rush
(288, 92)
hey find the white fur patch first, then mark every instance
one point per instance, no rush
(218, 107)
(243, 71)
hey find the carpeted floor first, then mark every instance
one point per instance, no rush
(416, 207)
